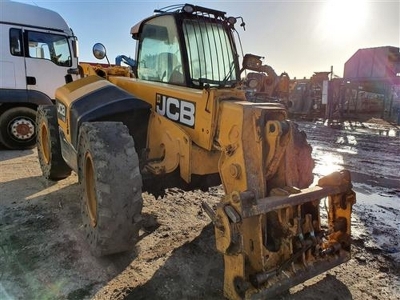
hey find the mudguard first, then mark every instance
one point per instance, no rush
(95, 99)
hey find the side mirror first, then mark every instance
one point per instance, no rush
(99, 51)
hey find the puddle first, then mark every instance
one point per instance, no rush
(376, 219)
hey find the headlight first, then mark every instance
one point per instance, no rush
(188, 8)
(253, 83)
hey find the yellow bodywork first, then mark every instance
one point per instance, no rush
(172, 145)
(206, 102)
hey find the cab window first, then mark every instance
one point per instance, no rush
(159, 52)
(49, 46)
(16, 42)
(210, 53)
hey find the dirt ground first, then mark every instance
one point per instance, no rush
(43, 254)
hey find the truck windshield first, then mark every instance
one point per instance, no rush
(210, 53)
(50, 46)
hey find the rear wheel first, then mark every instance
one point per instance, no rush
(17, 128)
(48, 143)
(111, 187)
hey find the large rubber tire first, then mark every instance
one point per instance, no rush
(299, 161)
(111, 187)
(17, 128)
(48, 144)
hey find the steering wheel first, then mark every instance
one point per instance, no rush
(176, 75)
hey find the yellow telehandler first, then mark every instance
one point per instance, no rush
(182, 120)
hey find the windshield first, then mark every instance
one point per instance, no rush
(210, 54)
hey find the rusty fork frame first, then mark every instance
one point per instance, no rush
(274, 243)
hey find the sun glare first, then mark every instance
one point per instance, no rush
(343, 18)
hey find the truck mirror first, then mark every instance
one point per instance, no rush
(99, 51)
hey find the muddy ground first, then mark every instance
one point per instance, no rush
(43, 254)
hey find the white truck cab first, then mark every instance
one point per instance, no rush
(38, 53)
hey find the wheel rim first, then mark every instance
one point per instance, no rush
(91, 201)
(22, 128)
(44, 142)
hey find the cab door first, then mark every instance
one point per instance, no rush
(12, 61)
(48, 59)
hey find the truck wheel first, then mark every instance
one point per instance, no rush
(17, 128)
(111, 187)
(48, 144)
(299, 162)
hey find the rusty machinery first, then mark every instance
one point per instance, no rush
(265, 85)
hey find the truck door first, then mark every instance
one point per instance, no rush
(49, 57)
(12, 61)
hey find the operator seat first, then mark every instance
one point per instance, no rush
(167, 68)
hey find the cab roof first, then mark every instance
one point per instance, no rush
(179, 9)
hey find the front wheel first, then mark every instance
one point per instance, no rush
(17, 128)
(111, 187)
(48, 144)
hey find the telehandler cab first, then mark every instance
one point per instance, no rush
(183, 121)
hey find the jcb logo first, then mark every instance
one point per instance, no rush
(61, 111)
(177, 110)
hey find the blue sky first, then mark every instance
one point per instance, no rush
(299, 37)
